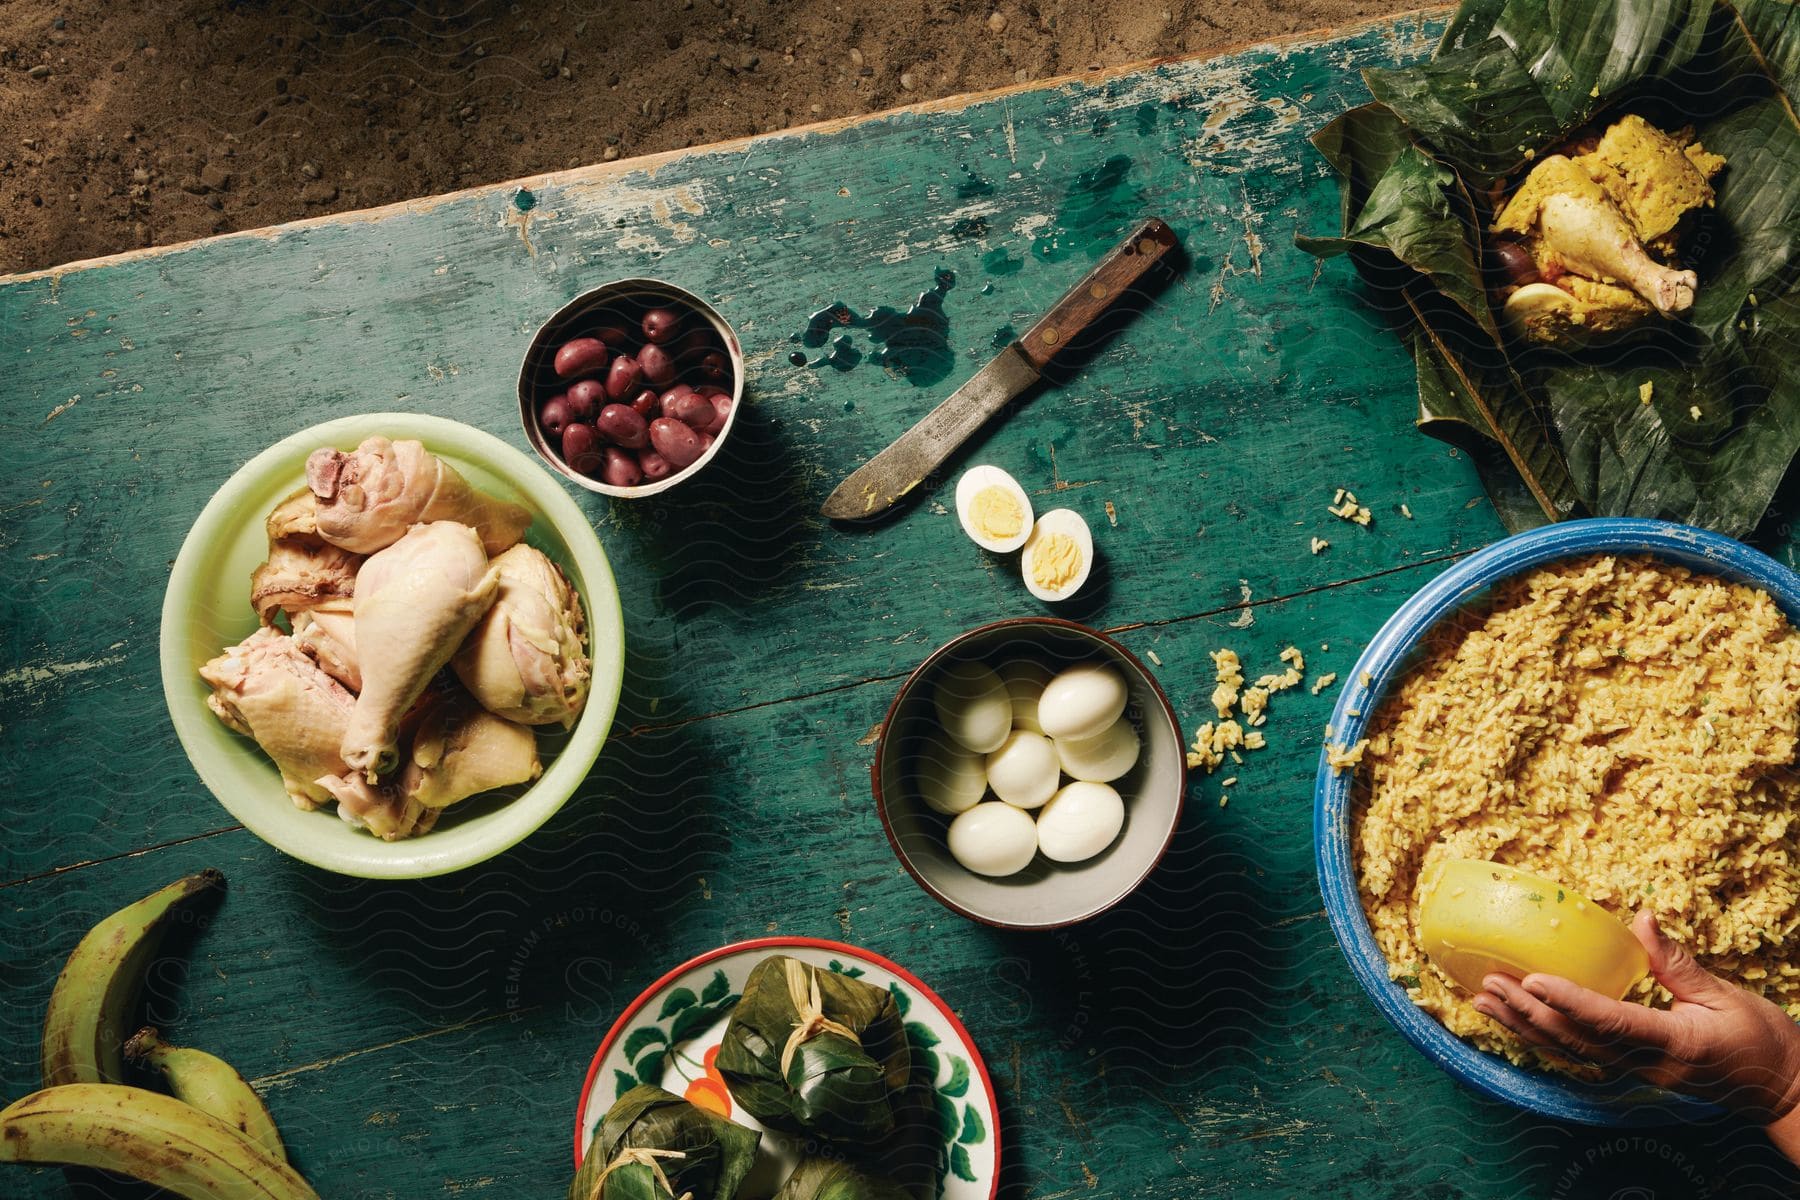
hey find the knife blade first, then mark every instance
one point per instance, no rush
(874, 487)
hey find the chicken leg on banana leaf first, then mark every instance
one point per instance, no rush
(1600, 231)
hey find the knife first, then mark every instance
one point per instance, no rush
(873, 487)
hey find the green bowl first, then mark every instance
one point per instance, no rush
(207, 607)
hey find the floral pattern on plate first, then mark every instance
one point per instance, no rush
(670, 1035)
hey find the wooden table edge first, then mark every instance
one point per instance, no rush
(651, 163)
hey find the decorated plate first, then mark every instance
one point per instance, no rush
(670, 1035)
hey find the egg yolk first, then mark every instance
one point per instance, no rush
(996, 514)
(1056, 562)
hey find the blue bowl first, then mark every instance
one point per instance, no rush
(1617, 1104)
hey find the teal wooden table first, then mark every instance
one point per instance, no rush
(430, 1039)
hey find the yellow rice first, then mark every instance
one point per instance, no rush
(1623, 726)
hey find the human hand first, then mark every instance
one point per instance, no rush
(1716, 1040)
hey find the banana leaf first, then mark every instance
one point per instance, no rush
(828, 1179)
(847, 1061)
(1576, 432)
(711, 1155)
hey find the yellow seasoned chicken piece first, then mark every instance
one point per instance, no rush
(1654, 179)
(1601, 229)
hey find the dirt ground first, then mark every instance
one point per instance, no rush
(125, 125)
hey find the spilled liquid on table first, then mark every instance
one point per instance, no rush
(914, 344)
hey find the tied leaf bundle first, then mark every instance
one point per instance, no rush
(1694, 419)
(653, 1145)
(829, 1179)
(814, 1052)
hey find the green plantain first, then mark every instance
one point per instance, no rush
(91, 1007)
(148, 1136)
(210, 1084)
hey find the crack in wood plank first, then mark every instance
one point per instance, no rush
(645, 730)
(280, 1078)
(94, 862)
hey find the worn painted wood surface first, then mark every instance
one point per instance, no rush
(430, 1039)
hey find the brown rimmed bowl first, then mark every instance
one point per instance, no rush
(621, 302)
(1045, 895)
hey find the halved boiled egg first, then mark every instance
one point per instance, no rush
(994, 510)
(1058, 555)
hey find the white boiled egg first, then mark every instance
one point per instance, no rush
(994, 510)
(949, 778)
(972, 706)
(1058, 555)
(1025, 681)
(994, 838)
(1082, 701)
(1101, 758)
(1023, 771)
(1080, 821)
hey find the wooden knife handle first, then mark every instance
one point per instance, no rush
(1083, 304)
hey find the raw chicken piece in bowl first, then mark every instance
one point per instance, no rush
(207, 609)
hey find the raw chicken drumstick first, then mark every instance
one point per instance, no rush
(369, 497)
(527, 660)
(415, 602)
(265, 688)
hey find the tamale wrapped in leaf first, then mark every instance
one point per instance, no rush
(815, 1052)
(653, 1145)
(831, 1179)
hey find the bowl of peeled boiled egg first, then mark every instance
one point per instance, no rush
(1030, 773)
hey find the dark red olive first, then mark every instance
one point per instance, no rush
(620, 467)
(654, 466)
(675, 441)
(692, 409)
(647, 405)
(616, 339)
(721, 411)
(620, 424)
(658, 367)
(553, 418)
(622, 377)
(661, 325)
(584, 399)
(1512, 263)
(697, 341)
(713, 367)
(706, 441)
(583, 356)
(581, 448)
(667, 400)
